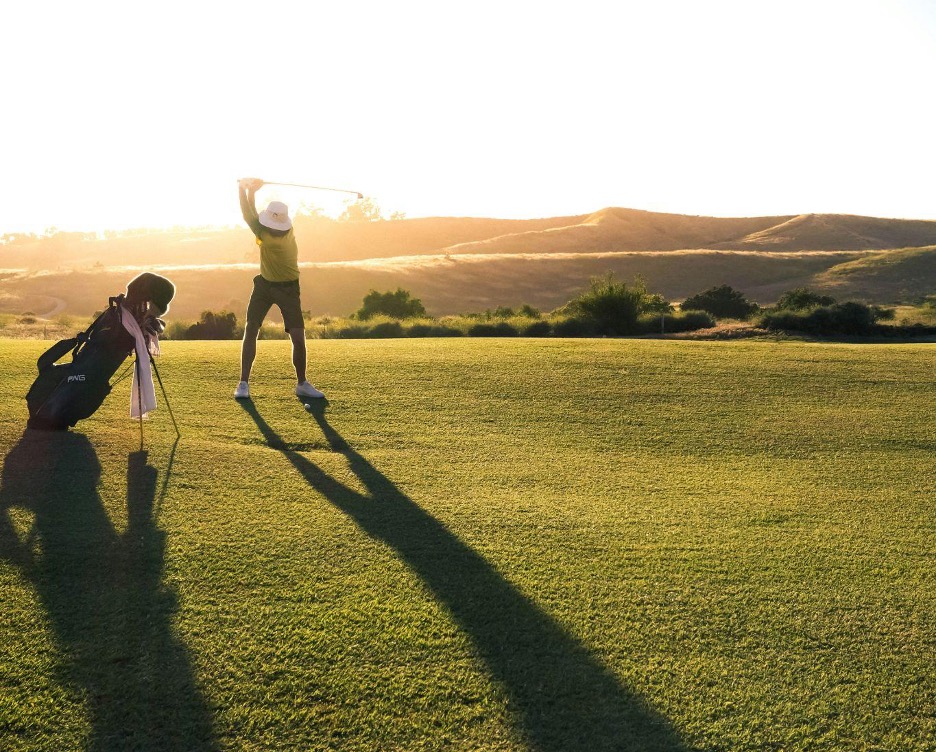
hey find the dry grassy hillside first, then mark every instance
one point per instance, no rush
(446, 284)
(320, 240)
(468, 264)
(828, 232)
(892, 276)
(609, 230)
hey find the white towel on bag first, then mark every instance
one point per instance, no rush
(142, 374)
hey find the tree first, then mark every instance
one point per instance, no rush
(397, 305)
(310, 210)
(363, 210)
(723, 302)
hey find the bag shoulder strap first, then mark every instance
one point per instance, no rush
(55, 352)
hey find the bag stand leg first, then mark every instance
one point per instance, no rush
(139, 381)
(166, 397)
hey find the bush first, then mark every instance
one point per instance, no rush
(419, 330)
(396, 305)
(723, 302)
(537, 329)
(848, 318)
(352, 332)
(673, 323)
(612, 306)
(386, 330)
(501, 329)
(802, 298)
(222, 325)
(175, 330)
(445, 331)
(573, 327)
(529, 312)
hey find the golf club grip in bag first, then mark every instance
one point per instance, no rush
(63, 394)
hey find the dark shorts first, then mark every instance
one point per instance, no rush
(267, 294)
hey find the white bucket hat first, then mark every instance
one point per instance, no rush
(276, 216)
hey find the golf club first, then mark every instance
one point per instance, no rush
(316, 188)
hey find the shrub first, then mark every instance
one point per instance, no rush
(573, 327)
(270, 331)
(802, 298)
(397, 305)
(684, 321)
(848, 318)
(500, 329)
(529, 312)
(444, 331)
(386, 330)
(687, 321)
(352, 332)
(537, 329)
(723, 302)
(419, 330)
(612, 306)
(222, 325)
(175, 330)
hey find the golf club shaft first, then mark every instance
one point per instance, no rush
(315, 187)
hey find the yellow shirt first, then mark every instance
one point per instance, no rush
(279, 254)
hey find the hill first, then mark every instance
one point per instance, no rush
(610, 230)
(445, 284)
(464, 264)
(828, 232)
(904, 274)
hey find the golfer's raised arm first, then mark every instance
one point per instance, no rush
(246, 191)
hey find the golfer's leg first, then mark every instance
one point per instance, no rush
(297, 335)
(248, 350)
(260, 302)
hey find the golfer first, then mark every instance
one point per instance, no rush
(277, 283)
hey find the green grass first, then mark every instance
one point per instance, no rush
(550, 545)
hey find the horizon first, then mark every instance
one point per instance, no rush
(101, 233)
(513, 112)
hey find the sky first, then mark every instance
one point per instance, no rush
(118, 115)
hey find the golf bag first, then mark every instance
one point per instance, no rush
(63, 394)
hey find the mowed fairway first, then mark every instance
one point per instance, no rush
(554, 545)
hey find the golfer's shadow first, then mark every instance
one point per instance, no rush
(110, 613)
(564, 698)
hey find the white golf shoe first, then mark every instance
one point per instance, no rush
(305, 389)
(242, 391)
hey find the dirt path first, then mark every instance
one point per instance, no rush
(57, 308)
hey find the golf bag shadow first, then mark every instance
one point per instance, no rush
(65, 393)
